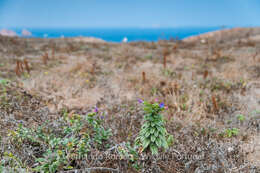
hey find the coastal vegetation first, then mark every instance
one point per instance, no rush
(70, 104)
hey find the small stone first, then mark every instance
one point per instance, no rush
(230, 149)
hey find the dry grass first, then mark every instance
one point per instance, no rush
(205, 87)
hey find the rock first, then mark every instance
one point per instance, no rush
(26, 33)
(9, 33)
(203, 41)
(125, 40)
(230, 149)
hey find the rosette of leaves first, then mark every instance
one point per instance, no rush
(153, 134)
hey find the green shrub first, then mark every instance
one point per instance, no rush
(231, 132)
(153, 134)
(3, 82)
(69, 140)
(241, 117)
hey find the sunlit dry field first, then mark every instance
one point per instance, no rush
(211, 88)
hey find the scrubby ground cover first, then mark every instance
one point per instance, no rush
(69, 105)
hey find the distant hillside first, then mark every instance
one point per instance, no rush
(228, 34)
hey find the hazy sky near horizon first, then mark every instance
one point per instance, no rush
(128, 13)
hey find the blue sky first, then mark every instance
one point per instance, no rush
(128, 13)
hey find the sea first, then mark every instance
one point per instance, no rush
(119, 34)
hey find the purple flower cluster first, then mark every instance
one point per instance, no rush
(161, 105)
(96, 110)
(140, 101)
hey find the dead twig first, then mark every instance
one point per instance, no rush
(215, 104)
(165, 54)
(45, 58)
(205, 74)
(26, 64)
(144, 78)
(19, 68)
(93, 68)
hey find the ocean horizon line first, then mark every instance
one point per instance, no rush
(116, 34)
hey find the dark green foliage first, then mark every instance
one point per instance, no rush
(153, 134)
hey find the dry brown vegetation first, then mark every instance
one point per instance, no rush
(205, 86)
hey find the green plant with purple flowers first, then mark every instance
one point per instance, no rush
(63, 143)
(153, 134)
(100, 133)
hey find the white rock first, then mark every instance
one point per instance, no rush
(125, 39)
(26, 33)
(203, 41)
(230, 149)
(6, 32)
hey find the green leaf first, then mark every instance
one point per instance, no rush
(156, 133)
(241, 117)
(142, 138)
(164, 144)
(161, 129)
(235, 131)
(152, 130)
(154, 149)
(145, 143)
(153, 138)
(3, 81)
(170, 140)
(159, 123)
(145, 125)
(69, 167)
(158, 142)
(40, 160)
(143, 131)
(147, 134)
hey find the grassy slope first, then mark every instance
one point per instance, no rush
(206, 86)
